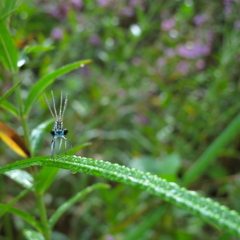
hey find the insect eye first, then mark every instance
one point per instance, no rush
(65, 131)
(52, 132)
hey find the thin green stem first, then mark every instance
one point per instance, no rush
(23, 118)
(6, 219)
(43, 216)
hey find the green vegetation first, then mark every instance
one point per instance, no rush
(153, 107)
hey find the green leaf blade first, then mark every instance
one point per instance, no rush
(64, 207)
(32, 235)
(8, 50)
(24, 215)
(191, 201)
(9, 92)
(212, 151)
(22, 177)
(36, 137)
(47, 80)
(8, 8)
(10, 108)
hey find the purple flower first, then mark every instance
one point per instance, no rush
(141, 119)
(59, 12)
(161, 62)
(227, 2)
(136, 61)
(200, 64)
(210, 37)
(170, 52)
(95, 40)
(127, 11)
(183, 67)
(121, 93)
(168, 24)
(108, 237)
(199, 19)
(237, 24)
(227, 6)
(193, 50)
(77, 3)
(136, 3)
(103, 3)
(57, 33)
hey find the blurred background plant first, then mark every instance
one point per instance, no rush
(163, 85)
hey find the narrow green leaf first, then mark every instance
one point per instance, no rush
(8, 50)
(48, 174)
(45, 178)
(10, 108)
(64, 207)
(36, 137)
(47, 80)
(14, 200)
(32, 235)
(76, 149)
(147, 223)
(20, 176)
(191, 201)
(8, 8)
(212, 151)
(9, 92)
(37, 49)
(26, 216)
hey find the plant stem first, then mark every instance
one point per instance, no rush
(6, 220)
(43, 215)
(23, 118)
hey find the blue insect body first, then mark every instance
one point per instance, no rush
(58, 131)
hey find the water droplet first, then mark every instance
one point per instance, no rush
(135, 30)
(21, 62)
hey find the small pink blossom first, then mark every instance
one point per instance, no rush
(168, 24)
(199, 19)
(194, 50)
(57, 33)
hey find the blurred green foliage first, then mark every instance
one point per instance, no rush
(163, 85)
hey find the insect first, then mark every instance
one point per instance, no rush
(58, 131)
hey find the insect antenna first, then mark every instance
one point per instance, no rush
(54, 106)
(65, 105)
(50, 109)
(60, 109)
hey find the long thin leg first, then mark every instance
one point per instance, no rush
(60, 145)
(53, 143)
(67, 141)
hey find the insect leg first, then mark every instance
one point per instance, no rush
(53, 143)
(67, 141)
(60, 144)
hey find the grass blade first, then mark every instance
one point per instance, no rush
(191, 201)
(212, 151)
(26, 216)
(14, 200)
(10, 108)
(8, 50)
(36, 137)
(47, 80)
(8, 8)
(30, 234)
(148, 222)
(64, 207)
(22, 177)
(9, 92)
